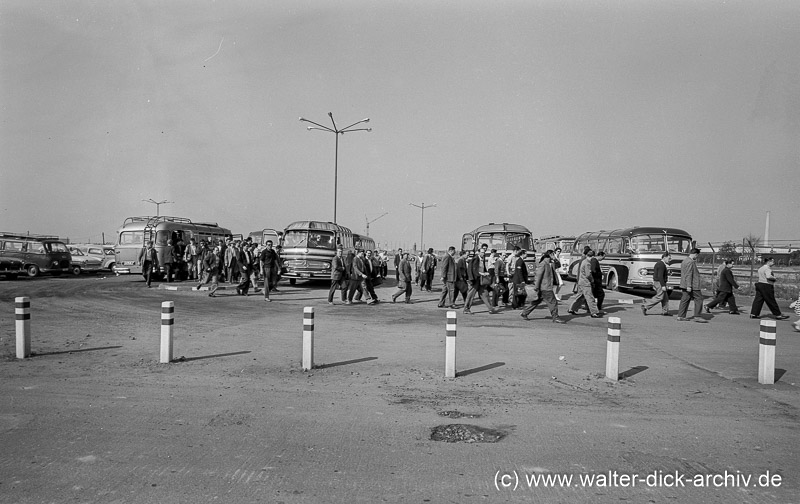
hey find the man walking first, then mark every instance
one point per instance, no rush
(518, 279)
(690, 283)
(448, 279)
(585, 287)
(462, 278)
(427, 271)
(765, 292)
(725, 290)
(148, 259)
(211, 265)
(660, 271)
(543, 288)
(479, 279)
(397, 258)
(404, 279)
(338, 277)
(269, 268)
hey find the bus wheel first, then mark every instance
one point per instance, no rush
(292, 281)
(612, 284)
(33, 271)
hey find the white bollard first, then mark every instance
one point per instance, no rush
(766, 352)
(308, 338)
(612, 349)
(167, 321)
(450, 346)
(22, 312)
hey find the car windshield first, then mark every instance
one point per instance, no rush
(76, 252)
(655, 243)
(57, 247)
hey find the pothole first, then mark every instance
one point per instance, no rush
(457, 414)
(465, 433)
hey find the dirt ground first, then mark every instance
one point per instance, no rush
(92, 417)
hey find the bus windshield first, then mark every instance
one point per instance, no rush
(309, 239)
(655, 243)
(505, 241)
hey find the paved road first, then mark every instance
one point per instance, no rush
(93, 417)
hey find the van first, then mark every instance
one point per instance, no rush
(38, 253)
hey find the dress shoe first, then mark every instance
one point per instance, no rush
(452, 307)
(644, 310)
(524, 316)
(734, 313)
(781, 317)
(467, 312)
(596, 315)
(330, 303)
(211, 294)
(700, 321)
(571, 312)
(754, 316)
(682, 319)
(708, 310)
(559, 321)
(666, 314)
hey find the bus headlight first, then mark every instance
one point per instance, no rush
(643, 272)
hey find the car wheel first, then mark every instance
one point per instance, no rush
(292, 281)
(76, 270)
(111, 267)
(33, 271)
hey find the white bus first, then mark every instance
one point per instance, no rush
(503, 238)
(135, 232)
(309, 247)
(632, 253)
(565, 243)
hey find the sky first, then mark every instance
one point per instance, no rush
(563, 116)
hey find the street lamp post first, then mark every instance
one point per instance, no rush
(422, 224)
(336, 133)
(157, 204)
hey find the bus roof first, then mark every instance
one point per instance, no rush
(317, 225)
(153, 220)
(556, 237)
(499, 228)
(637, 230)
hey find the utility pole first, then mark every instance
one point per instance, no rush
(422, 207)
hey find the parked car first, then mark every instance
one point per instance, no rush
(11, 268)
(82, 263)
(103, 252)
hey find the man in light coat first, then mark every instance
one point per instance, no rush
(585, 286)
(543, 288)
(690, 283)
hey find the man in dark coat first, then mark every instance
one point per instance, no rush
(660, 271)
(338, 276)
(269, 268)
(448, 279)
(726, 285)
(479, 279)
(148, 258)
(519, 278)
(405, 279)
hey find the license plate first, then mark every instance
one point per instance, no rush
(128, 263)
(305, 275)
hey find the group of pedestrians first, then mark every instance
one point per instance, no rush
(356, 276)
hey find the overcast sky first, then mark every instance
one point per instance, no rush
(563, 116)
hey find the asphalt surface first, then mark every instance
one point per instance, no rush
(92, 416)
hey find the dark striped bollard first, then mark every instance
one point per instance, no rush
(22, 312)
(308, 338)
(167, 321)
(766, 352)
(612, 349)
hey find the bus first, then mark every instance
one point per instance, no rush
(565, 243)
(363, 242)
(632, 253)
(309, 248)
(261, 237)
(135, 232)
(503, 238)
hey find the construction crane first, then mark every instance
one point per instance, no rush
(366, 219)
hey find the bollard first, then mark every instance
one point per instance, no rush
(612, 349)
(22, 312)
(766, 352)
(308, 338)
(450, 346)
(167, 321)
